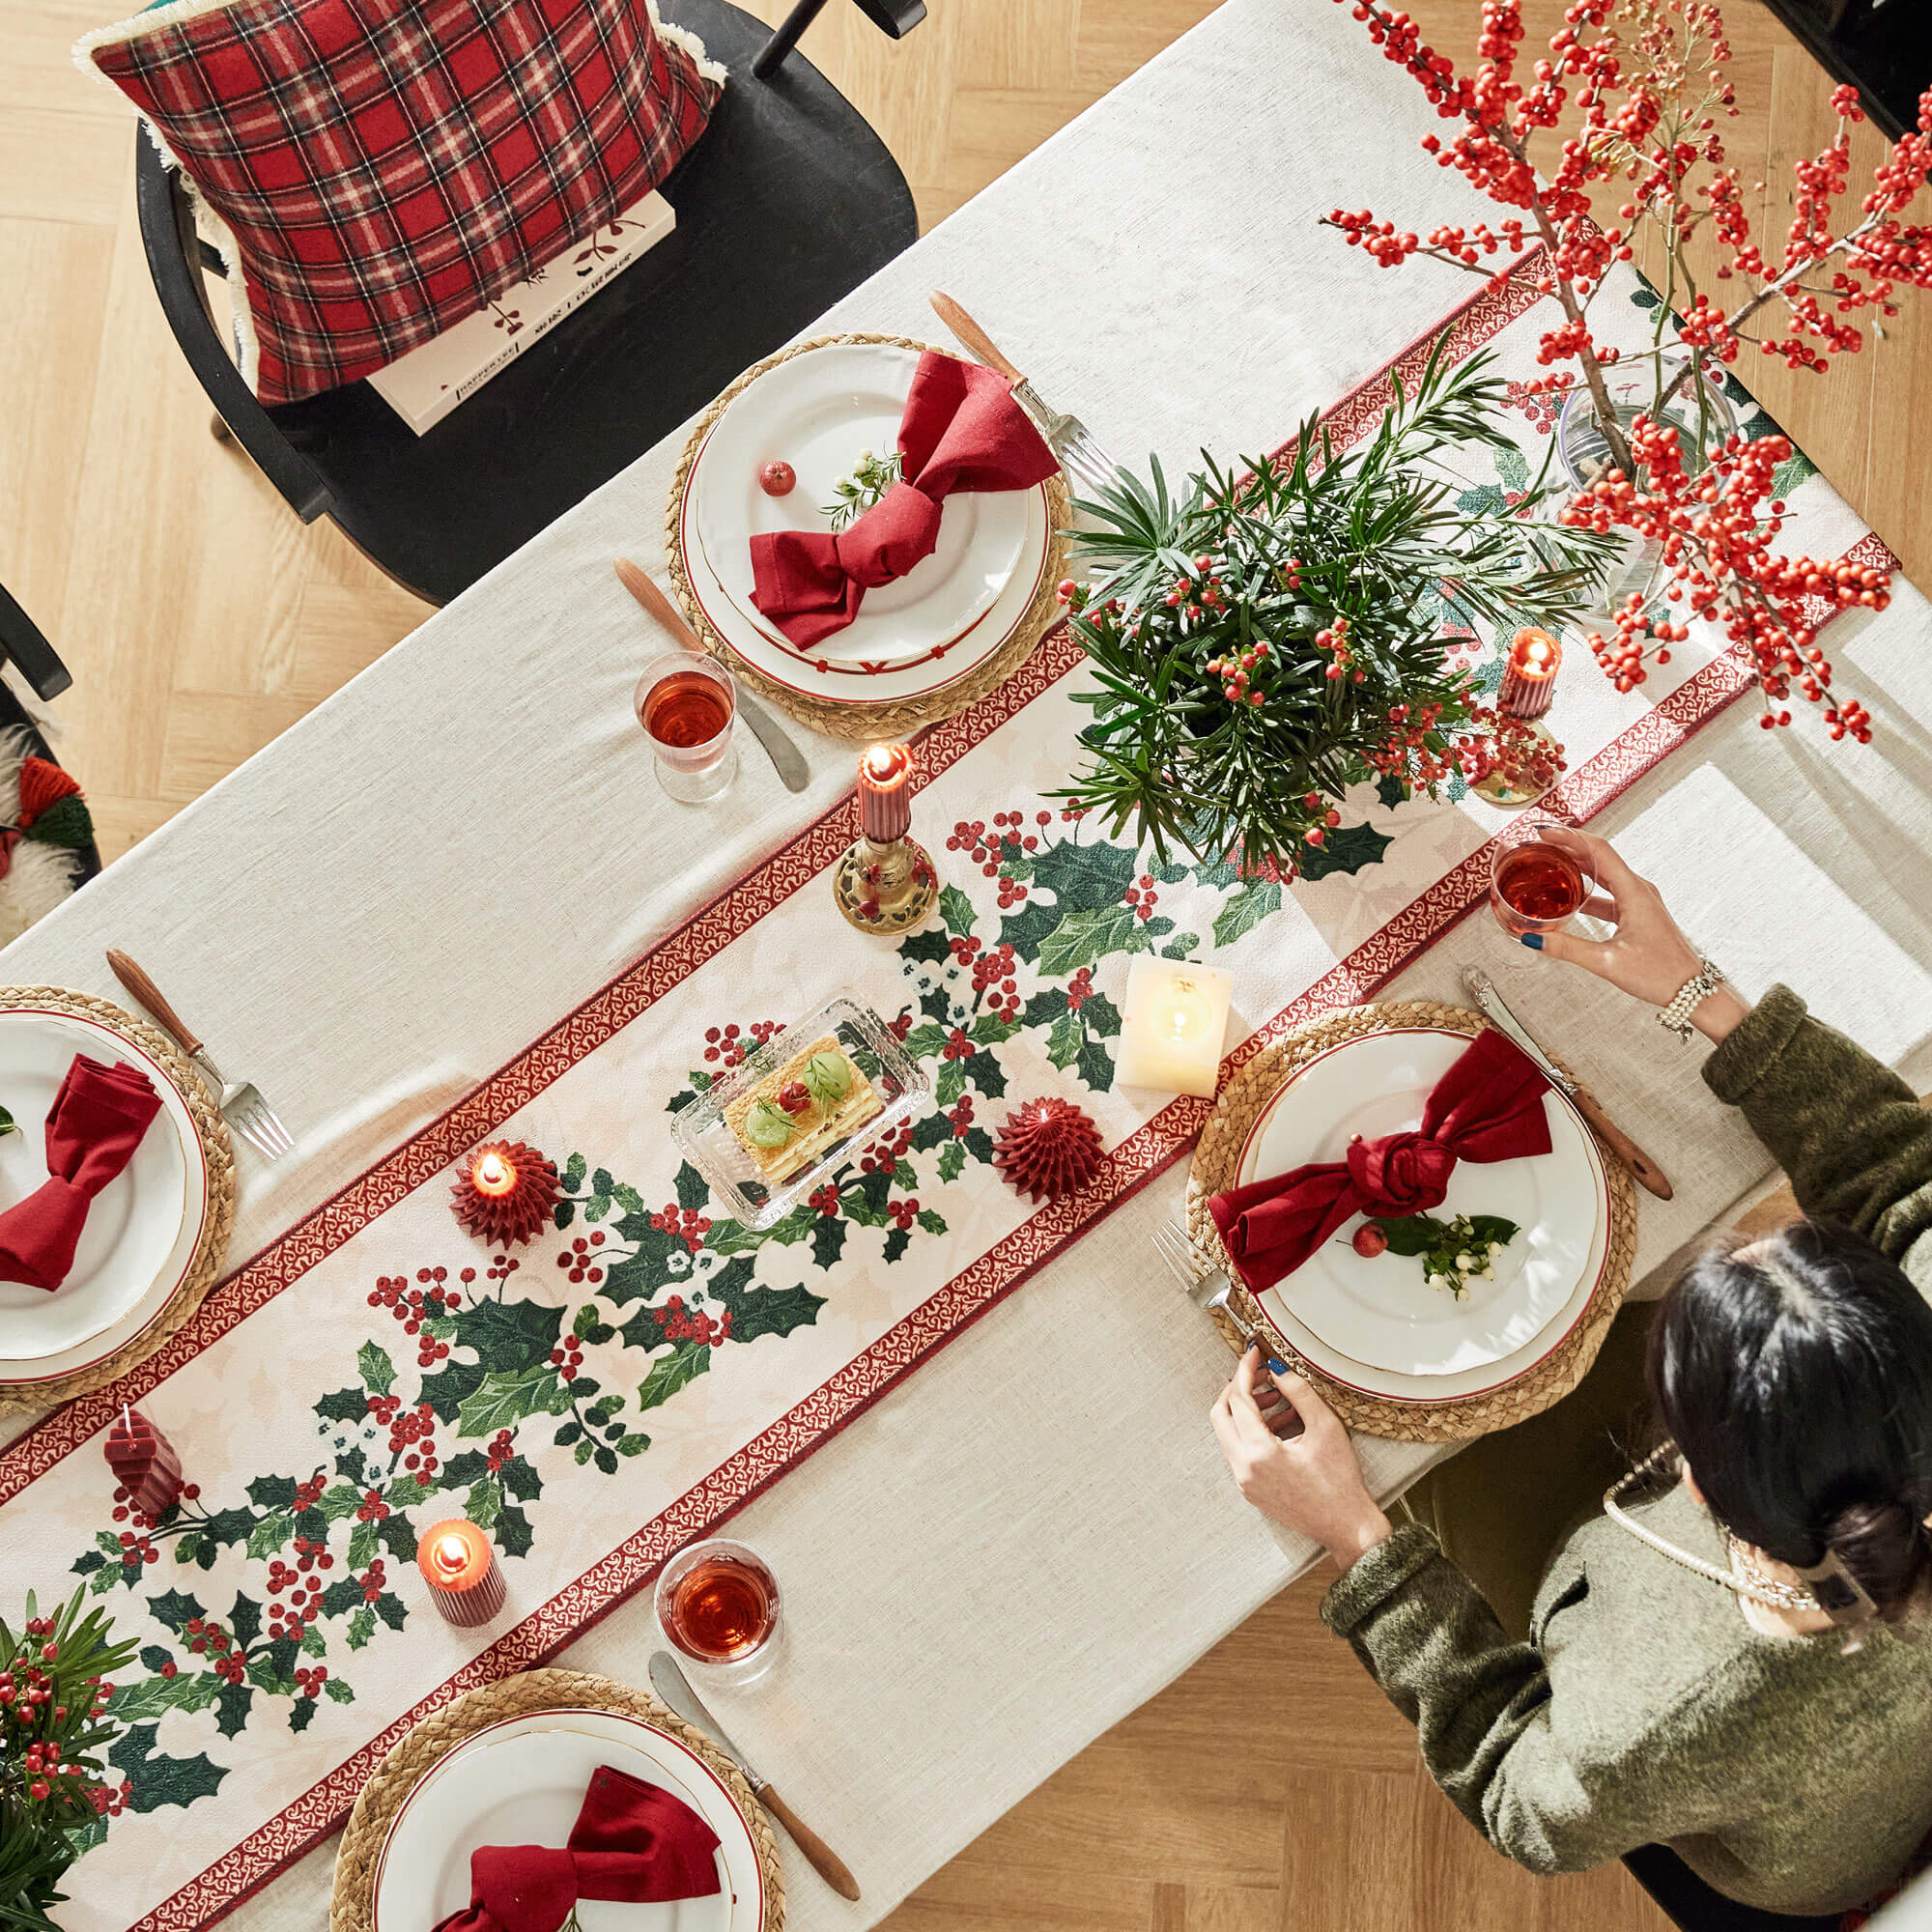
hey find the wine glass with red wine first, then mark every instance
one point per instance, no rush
(687, 705)
(718, 1604)
(1536, 886)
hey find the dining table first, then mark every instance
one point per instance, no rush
(1021, 1528)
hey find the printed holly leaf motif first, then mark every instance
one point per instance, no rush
(1065, 1038)
(272, 1493)
(956, 910)
(462, 1469)
(162, 1780)
(509, 1335)
(1025, 929)
(951, 1082)
(389, 1607)
(269, 1535)
(350, 1404)
(361, 1628)
(768, 1311)
(508, 1398)
(989, 1030)
(513, 1533)
(936, 1004)
(986, 1074)
(1348, 850)
(341, 1501)
(244, 1620)
(232, 1704)
(1045, 1006)
(1086, 938)
(979, 1144)
(451, 1387)
(341, 1692)
(932, 1223)
(521, 1480)
(828, 1239)
(485, 1502)
(361, 1545)
(1391, 790)
(951, 1158)
(1085, 877)
(404, 1492)
(89, 1561)
(694, 1191)
(155, 1697)
(397, 1535)
(1256, 901)
(1095, 1065)
(668, 1374)
(924, 1040)
(932, 1131)
(153, 1656)
(896, 1243)
(928, 948)
(1101, 1014)
(378, 1372)
(301, 1714)
(174, 1608)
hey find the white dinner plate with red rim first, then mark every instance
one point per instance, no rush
(143, 1228)
(821, 411)
(812, 675)
(1545, 1279)
(522, 1782)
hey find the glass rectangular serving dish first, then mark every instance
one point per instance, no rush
(707, 1142)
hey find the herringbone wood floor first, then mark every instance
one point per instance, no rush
(1271, 1787)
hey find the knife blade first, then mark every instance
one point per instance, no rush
(785, 756)
(1648, 1175)
(668, 1680)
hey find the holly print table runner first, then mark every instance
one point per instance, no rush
(650, 1361)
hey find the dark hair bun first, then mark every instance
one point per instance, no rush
(1796, 1376)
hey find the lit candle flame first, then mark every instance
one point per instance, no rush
(1186, 1018)
(880, 762)
(452, 1554)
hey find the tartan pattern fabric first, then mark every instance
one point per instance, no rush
(384, 167)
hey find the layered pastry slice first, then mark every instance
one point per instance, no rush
(795, 1114)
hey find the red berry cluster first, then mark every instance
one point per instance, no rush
(1079, 989)
(579, 1259)
(1141, 897)
(685, 1224)
(371, 1509)
(1234, 673)
(960, 1114)
(694, 1324)
(111, 1800)
(728, 1045)
(499, 1450)
(412, 1306)
(413, 1437)
(309, 1681)
(137, 1549)
(825, 1199)
(1334, 641)
(501, 1268)
(207, 1638)
(883, 1156)
(1008, 840)
(567, 1359)
(304, 1604)
(958, 1045)
(374, 1580)
(993, 973)
(903, 1212)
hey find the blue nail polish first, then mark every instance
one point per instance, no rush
(1279, 1368)
(1534, 941)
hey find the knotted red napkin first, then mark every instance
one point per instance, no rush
(95, 1124)
(1489, 1106)
(632, 1842)
(961, 430)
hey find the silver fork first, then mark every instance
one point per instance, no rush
(1068, 436)
(241, 1104)
(1208, 1288)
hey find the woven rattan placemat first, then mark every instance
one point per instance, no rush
(894, 718)
(1218, 1156)
(219, 1224)
(416, 1756)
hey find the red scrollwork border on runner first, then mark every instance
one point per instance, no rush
(833, 1406)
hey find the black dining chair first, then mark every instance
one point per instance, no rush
(787, 201)
(1686, 1900)
(24, 646)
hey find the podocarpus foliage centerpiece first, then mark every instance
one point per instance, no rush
(1272, 637)
(1629, 100)
(55, 1794)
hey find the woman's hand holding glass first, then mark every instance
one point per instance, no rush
(1310, 1482)
(1647, 955)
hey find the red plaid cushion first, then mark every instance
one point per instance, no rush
(383, 170)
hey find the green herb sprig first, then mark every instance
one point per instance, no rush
(1453, 1253)
(871, 477)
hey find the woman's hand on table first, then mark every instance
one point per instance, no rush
(1647, 955)
(1310, 1482)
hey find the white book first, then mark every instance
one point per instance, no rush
(424, 386)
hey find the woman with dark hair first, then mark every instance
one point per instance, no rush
(1722, 1652)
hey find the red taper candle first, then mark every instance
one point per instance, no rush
(144, 1462)
(885, 792)
(459, 1564)
(1529, 675)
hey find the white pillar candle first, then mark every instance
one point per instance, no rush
(1172, 1032)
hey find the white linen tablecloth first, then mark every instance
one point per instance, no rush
(1035, 1533)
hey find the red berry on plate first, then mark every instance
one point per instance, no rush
(1369, 1240)
(777, 479)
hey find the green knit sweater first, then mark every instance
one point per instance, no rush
(1789, 1774)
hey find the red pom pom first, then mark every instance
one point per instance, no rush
(42, 784)
(516, 1213)
(1047, 1147)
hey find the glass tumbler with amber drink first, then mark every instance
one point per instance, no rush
(1536, 886)
(687, 705)
(718, 1603)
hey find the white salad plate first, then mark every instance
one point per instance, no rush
(522, 1782)
(142, 1229)
(821, 411)
(1375, 1324)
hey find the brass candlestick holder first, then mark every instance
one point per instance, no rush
(886, 889)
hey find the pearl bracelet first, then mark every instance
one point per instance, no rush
(1676, 1016)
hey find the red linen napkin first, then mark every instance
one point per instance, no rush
(631, 1842)
(95, 1124)
(1488, 1107)
(961, 430)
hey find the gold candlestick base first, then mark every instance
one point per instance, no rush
(884, 888)
(1500, 791)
